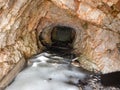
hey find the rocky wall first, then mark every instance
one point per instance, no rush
(97, 31)
(100, 37)
(18, 20)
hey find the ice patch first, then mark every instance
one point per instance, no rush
(47, 76)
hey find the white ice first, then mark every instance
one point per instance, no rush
(47, 76)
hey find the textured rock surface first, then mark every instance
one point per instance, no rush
(97, 25)
(17, 40)
(96, 39)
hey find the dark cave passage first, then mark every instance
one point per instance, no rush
(61, 38)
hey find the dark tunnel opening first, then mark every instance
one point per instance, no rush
(62, 37)
(58, 39)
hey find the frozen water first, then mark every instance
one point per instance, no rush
(41, 75)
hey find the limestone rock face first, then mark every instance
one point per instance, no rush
(97, 25)
(18, 19)
(97, 31)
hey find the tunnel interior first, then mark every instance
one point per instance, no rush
(61, 38)
(29, 27)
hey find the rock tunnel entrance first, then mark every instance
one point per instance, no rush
(60, 38)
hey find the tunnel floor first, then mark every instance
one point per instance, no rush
(50, 71)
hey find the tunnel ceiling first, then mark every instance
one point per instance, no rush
(96, 23)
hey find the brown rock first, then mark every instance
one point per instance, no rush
(97, 30)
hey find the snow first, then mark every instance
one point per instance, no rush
(42, 75)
